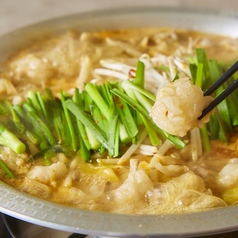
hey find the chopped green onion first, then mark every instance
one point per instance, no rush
(128, 85)
(124, 137)
(6, 170)
(99, 101)
(199, 75)
(193, 71)
(83, 138)
(127, 118)
(224, 111)
(84, 152)
(7, 138)
(88, 122)
(205, 138)
(39, 124)
(16, 120)
(93, 141)
(140, 74)
(69, 122)
(42, 105)
(113, 135)
(34, 100)
(155, 141)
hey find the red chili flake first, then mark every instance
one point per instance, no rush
(5, 118)
(116, 99)
(132, 73)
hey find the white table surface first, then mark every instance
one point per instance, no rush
(18, 13)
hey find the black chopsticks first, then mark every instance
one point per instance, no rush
(225, 93)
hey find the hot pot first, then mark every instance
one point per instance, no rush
(44, 213)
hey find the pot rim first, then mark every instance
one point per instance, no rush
(56, 216)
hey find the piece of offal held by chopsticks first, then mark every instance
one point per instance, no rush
(182, 106)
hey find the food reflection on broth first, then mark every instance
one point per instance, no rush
(82, 105)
